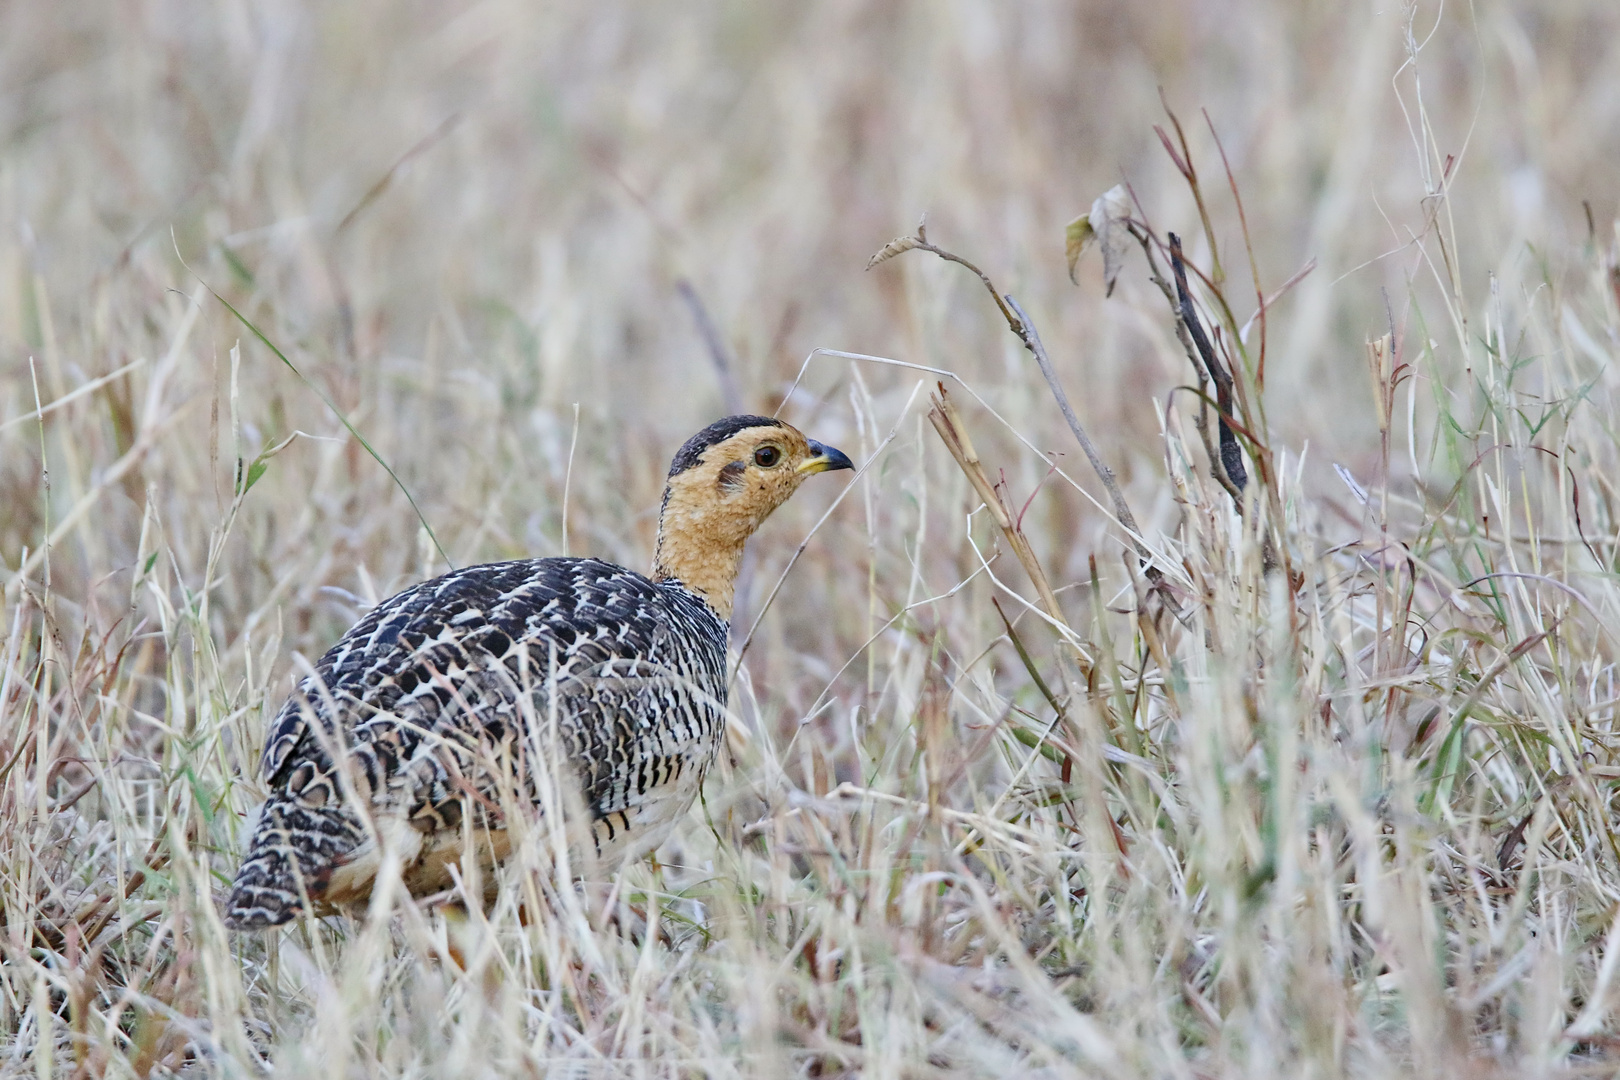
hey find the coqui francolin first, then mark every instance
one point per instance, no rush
(454, 698)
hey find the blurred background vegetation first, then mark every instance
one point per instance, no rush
(457, 213)
(459, 221)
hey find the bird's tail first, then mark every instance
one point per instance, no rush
(289, 862)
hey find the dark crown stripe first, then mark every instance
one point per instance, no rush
(717, 432)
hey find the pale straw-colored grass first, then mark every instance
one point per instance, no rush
(1336, 804)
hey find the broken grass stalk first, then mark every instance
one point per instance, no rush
(948, 422)
(1019, 323)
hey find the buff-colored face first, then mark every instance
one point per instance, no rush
(723, 484)
(755, 471)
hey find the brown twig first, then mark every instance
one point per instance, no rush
(1248, 247)
(1184, 165)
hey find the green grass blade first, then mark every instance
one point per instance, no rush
(330, 404)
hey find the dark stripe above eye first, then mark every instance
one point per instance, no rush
(718, 432)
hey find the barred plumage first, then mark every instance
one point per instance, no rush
(467, 693)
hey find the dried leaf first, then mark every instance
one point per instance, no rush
(1108, 217)
(1104, 223)
(894, 247)
(1077, 236)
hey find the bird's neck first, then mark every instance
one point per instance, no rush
(700, 553)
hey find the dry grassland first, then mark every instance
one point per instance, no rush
(1323, 788)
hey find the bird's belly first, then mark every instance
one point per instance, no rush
(640, 827)
(426, 858)
(432, 872)
(351, 879)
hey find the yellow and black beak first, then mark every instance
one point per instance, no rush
(824, 459)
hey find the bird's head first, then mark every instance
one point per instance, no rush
(723, 483)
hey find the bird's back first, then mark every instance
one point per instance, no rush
(451, 695)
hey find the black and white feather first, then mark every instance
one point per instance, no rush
(409, 717)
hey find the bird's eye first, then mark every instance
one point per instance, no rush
(767, 456)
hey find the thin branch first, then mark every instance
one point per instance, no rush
(1144, 236)
(1032, 342)
(1021, 325)
(948, 422)
(1231, 459)
(919, 242)
(1248, 247)
(1184, 164)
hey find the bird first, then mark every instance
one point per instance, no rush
(464, 695)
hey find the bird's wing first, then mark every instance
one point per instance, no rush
(397, 657)
(422, 694)
(607, 732)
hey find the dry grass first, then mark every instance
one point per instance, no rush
(1348, 816)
